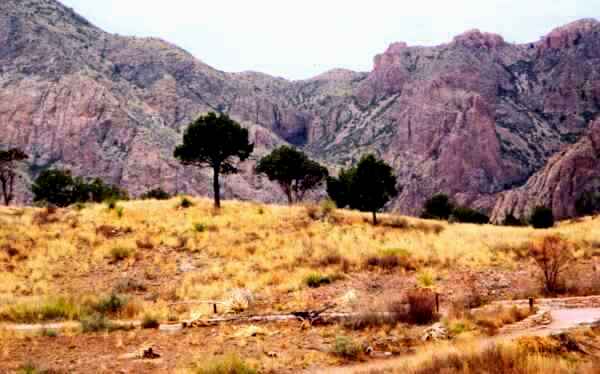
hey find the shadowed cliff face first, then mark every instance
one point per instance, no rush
(473, 118)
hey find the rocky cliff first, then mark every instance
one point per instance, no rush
(475, 118)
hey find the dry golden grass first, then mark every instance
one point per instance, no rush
(266, 248)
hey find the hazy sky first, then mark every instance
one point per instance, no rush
(300, 39)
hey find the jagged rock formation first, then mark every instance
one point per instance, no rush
(473, 118)
(560, 183)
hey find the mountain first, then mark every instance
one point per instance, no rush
(477, 118)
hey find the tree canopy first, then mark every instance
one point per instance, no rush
(60, 188)
(367, 187)
(9, 161)
(438, 207)
(293, 171)
(214, 141)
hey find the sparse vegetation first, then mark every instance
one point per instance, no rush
(347, 348)
(542, 218)
(228, 364)
(156, 194)
(552, 255)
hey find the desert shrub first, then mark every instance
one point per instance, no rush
(552, 255)
(50, 309)
(129, 285)
(346, 347)
(228, 364)
(156, 194)
(185, 203)
(145, 243)
(428, 228)
(150, 322)
(95, 322)
(398, 223)
(316, 280)
(120, 253)
(111, 204)
(438, 207)
(49, 333)
(542, 218)
(467, 215)
(46, 216)
(109, 305)
(511, 220)
(386, 262)
(199, 227)
(421, 306)
(426, 278)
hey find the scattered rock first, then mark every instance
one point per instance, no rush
(435, 332)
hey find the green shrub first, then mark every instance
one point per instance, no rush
(156, 194)
(511, 220)
(111, 204)
(228, 364)
(120, 210)
(110, 305)
(438, 207)
(542, 218)
(95, 322)
(346, 347)
(426, 278)
(316, 280)
(50, 333)
(186, 203)
(199, 227)
(150, 322)
(467, 215)
(120, 253)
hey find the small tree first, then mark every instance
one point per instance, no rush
(293, 171)
(9, 161)
(56, 187)
(157, 194)
(552, 256)
(542, 218)
(366, 187)
(438, 207)
(214, 141)
(338, 188)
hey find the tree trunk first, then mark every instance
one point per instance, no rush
(374, 218)
(216, 187)
(5, 193)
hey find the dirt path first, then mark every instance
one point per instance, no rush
(563, 319)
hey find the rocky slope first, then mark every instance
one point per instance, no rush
(473, 118)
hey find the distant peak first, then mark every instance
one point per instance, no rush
(568, 35)
(476, 39)
(335, 75)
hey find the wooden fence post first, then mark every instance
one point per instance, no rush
(437, 302)
(531, 304)
(215, 308)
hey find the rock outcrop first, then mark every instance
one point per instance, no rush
(560, 183)
(473, 118)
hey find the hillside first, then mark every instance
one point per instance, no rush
(473, 118)
(158, 258)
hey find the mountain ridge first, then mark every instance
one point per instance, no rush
(473, 118)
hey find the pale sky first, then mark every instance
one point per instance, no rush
(300, 39)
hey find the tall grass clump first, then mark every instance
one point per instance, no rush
(228, 364)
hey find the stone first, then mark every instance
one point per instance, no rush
(435, 332)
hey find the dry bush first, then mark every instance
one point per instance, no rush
(145, 243)
(421, 306)
(494, 319)
(110, 232)
(552, 255)
(46, 216)
(428, 228)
